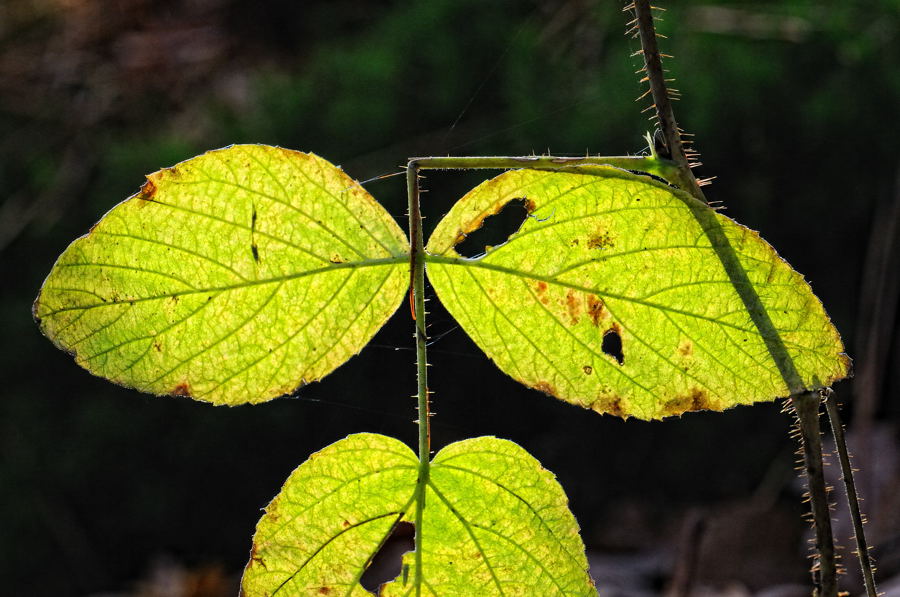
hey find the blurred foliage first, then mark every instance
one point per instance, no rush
(792, 106)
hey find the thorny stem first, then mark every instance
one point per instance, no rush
(676, 169)
(663, 168)
(665, 115)
(840, 442)
(417, 272)
(806, 404)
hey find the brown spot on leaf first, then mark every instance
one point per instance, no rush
(182, 389)
(587, 369)
(541, 287)
(345, 524)
(157, 346)
(545, 387)
(255, 557)
(596, 310)
(573, 306)
(696, 399)
(337, 259)
(611, 405)
(529, 204)
(686, 348)
(148, 190)
(600, 240)
(324, 591)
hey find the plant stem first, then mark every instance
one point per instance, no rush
(665, 115)
(666, 169)
(840, 442)
(806, 404)
(417, 273)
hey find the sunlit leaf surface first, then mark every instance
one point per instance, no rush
(233, 277)
(495, 523)
(626, 296)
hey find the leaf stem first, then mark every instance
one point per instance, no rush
(840, 442)
(665, 169)
(417, 273)
(806, 404)
(665, 115)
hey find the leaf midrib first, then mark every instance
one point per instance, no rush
(463, 262)
(386, 261)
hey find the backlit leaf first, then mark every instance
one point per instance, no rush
(232, 277)
(495, 523)
(624, 295)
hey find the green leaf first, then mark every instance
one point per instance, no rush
(232, 277)
(707, 314)
(494, 523)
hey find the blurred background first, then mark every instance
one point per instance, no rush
(104, 491)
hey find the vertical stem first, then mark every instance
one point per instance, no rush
(807, 406)
(806, 403)
(417, 272)
(665, 115)
(840, 442)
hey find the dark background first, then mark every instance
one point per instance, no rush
(794, 106)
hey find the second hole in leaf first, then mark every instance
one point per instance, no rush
(495, 230)
(387, 563)
(612, 345)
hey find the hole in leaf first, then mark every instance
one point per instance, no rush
(494, 230)
(388, 560)
(612, 345)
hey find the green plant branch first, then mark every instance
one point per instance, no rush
(806, 405)
(417, 290)
(840, 442)
(665, 169)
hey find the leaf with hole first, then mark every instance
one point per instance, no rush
(494, 523)
(232, 277)
(627, 296)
